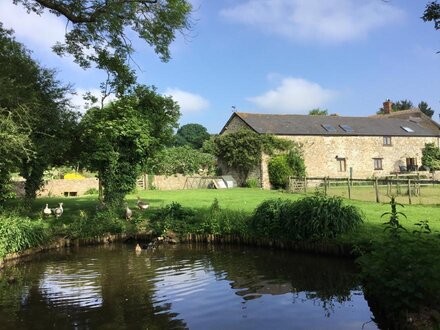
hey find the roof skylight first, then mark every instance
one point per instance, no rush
(407, 129)
(347, 128)
(329, 128)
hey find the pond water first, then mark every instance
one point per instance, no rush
(182, 287)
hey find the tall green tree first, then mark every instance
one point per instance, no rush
(432, 14)
(318, 112)
(119, 138)
(193, 135)
(35, 108)
(99, 32)
(426, 109)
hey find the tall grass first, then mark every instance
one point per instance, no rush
(212, 220)
(18, 233)
(312, 217)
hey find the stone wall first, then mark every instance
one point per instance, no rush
(321, 154)
(173, 182)
(61, 187)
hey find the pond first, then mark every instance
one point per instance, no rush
(182, 287)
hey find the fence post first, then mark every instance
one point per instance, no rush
(305, 185)
(349, 188)
(409, 191)
(376, 184)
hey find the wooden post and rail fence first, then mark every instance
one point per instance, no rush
(410, 187)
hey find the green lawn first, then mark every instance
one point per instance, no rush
(247, 200)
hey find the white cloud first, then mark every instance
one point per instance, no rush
(82, 105)
(329, 21)
(293, 95)
(40, 31)
(188, 102)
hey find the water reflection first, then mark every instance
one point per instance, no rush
(62, 285)
(197, 287)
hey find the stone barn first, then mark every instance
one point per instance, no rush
(337, 146)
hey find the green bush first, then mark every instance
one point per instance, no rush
(91, 191)
(279, 171)
(281, 167)
(318, 217)
(403, 275)
(98, 224)
(252, 183)
(216, 220)
(312, 217)
(213, 220)
(19, 233)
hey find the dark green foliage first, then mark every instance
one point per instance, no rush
(213, 220)
(432, 14)
(192, 135)
(281, 167)
(99, 32)
(183, 160)
(426, 109)
(313, 217)
(431, 156)
(318, 112)
(118, 138)
(242, 150)
(98, 224)
(36, 123)
(279, 171)
(403, 275)
(18, 233)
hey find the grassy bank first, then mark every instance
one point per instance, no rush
(246, 200)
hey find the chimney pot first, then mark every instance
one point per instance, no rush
(387, 107)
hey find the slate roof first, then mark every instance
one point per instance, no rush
(313, 125)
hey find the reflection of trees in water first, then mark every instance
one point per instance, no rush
(128, 283)
(256, 272)
(126, 301)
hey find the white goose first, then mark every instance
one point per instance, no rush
(128, 212)
(59, 210)
(142, 205)
(47, 211)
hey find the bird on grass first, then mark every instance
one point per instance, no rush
(128, 212)
(47, 211)
(142, 205)
(59, 210)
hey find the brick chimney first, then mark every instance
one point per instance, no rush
(387, 107)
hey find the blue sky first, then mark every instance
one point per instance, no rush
(273, 56)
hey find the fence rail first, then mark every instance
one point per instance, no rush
(407, 191)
